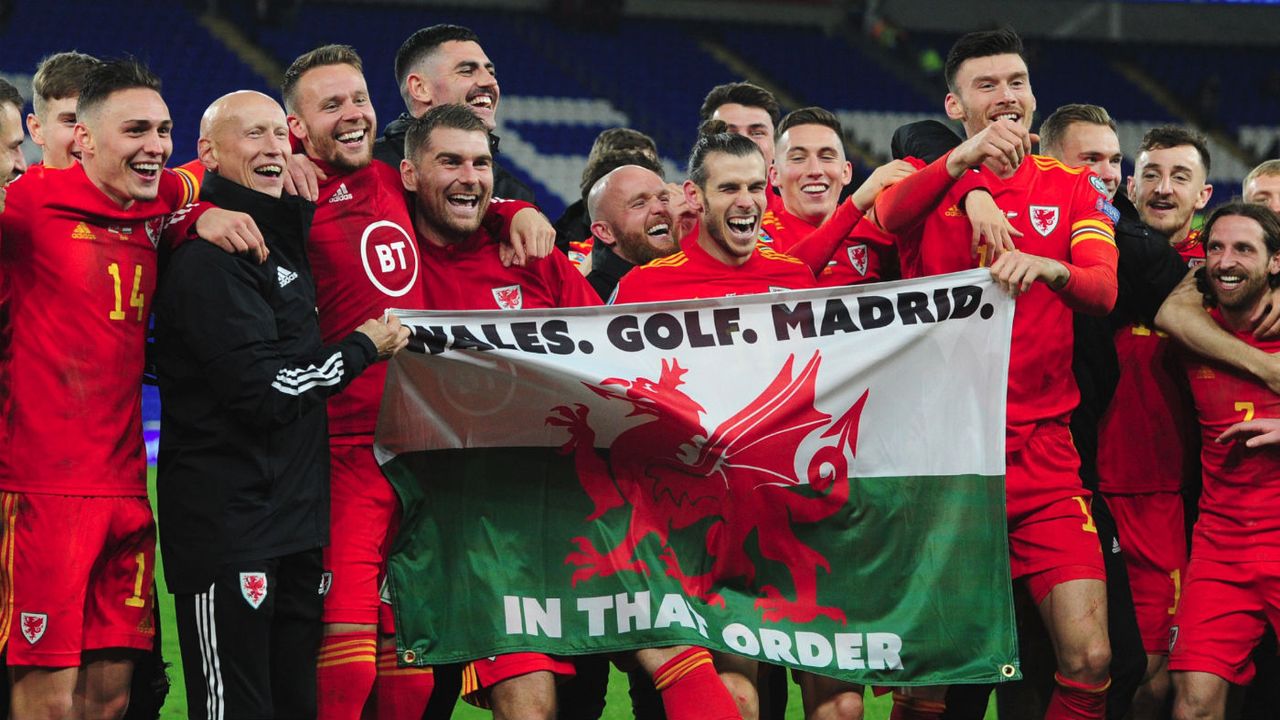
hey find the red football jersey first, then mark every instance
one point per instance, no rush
(365, 259)
(1062, 214)
(470, 276)
(1147, 437)
(1240, 504)
(80, 273)
(692, 273)
(859, 258)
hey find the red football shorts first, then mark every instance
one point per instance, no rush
(1052, 538)
(479, 676)
(1154, 541)
(77, 575)
(1221, 617)
(363, 516)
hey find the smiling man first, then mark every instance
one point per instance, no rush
(449, 171)
(1229, 594)
(441, 65)
(1064, 261)
(80, 246)
(243, 480)
(810, 171)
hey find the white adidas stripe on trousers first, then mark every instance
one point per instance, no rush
(207, 633)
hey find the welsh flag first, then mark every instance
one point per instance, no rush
(813, 479)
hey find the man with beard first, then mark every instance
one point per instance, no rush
(630, 211)
(365, 259)
(1146, 439)
(1229, 595)
(445, 64)
(725, 257)
(448, 169)
(1064, 261)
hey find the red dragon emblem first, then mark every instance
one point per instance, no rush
(34, 625)
(1044, 218)
(671, 474)
(253, 587)
(509, 297)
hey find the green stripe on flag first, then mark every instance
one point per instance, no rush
(904, 583)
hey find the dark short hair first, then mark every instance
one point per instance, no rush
(726, 143)
(810, 116)
(1172, 136)
(59, 76)
(452, 116)
(420, 45)
(1264, 216)
(111, 76)
(9, 95)
(606, 162)
(1054, 128)
(984, 43)
(320, 57)
(741, 93)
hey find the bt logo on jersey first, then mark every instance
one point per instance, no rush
(390, 257)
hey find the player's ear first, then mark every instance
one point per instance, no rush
(955, 110)
(408, 176)
(603, 232)
(33, 129)
(846, 175)
(418, 89)
(773, 172)
(1273, 267)
(207, 153)
(693, 194)
(1205, 194)
(296, 127)
(1128, 190)
(84, 138)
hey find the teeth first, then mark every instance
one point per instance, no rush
(146, 167)
(1007, 116)
(481, 101)
(815, 188)
(271, 170)
(742, 224)
(659, 229)
(462, 198)
(351, 136)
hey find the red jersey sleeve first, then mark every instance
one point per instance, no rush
(1091, 289)
(816, 248)
(497, 219)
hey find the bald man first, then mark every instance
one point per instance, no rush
(243, 480)
(631, 216)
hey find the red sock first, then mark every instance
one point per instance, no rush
(402, 692)
(1073, 700)
(344, 674)
(692, 690)
(906, 707)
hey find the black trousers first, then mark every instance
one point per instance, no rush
(249, 643)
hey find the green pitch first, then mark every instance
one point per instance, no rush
(618, 703)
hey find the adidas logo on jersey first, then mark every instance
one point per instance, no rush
(341, 195)
(1115, 546)
(285, 276)
(82, 232)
